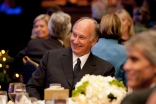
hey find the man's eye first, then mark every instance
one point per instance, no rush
(82, 38)
(35, 26)
(74, 35)
(42, 25)
(134, 59)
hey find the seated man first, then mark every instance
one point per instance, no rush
(141, 67)
(68, 66)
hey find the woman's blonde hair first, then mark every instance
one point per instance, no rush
(44, 17)
(128, 16)
(111, 26)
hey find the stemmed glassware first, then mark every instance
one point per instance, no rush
(15, 88)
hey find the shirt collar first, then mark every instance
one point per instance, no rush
(82, 58)
(61, 41)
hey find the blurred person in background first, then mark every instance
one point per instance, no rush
(99, 8)
(108, 48)
(141, 20)
(128, 26)
(130, 5)
(40, 23)
(59, 26)
(53, 9)
(40, 27)
(140, 67)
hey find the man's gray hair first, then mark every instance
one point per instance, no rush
(59, 24)
(146, 41)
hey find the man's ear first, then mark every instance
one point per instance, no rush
(94, 41)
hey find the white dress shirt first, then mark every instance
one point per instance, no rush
(82, 58)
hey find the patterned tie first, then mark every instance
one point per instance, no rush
(77, 68)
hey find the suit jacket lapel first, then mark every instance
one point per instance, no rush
(67, 65)
(88, 68)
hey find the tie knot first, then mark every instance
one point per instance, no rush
(78, 60)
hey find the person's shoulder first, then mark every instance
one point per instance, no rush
(137, 97)
(35, 40)
(58, 51)
(101, 61)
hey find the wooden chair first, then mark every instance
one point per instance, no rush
(29, 66)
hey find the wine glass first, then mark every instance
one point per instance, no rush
(14, 88)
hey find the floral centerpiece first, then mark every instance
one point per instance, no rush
(98, 90)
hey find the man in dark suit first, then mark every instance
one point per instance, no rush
(59, 26)
(58, 66)
(141, 67)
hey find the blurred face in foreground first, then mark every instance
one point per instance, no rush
(82, 38)
(41, 29)
(140, 72)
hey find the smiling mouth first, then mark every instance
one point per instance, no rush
(76, 47)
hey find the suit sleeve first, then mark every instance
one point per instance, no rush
(35, 86)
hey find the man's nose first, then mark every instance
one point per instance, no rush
(127, 65)
(38, 28)
(76, 40)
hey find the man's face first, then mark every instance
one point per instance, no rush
(81, 38)
(140, 73)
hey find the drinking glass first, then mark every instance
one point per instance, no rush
(33, 100)
(19, 88)
(22, 98)
(3, 97)
(14, 88)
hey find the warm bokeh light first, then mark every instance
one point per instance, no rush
(3, 51)
(17, 75)
(4, 59)
(4, 71)
(7, 66)
(0, 65)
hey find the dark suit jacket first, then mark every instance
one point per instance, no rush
(57, 67)
(138, 97)
(34, 50)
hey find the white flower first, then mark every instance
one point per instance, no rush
(97, 90)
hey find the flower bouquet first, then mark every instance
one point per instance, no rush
(98, 89)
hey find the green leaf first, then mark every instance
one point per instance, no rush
(80, 90)
(117, 83)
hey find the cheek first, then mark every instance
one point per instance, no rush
(71, 38)
(125, 25)
(45, 29)
(35, 30)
